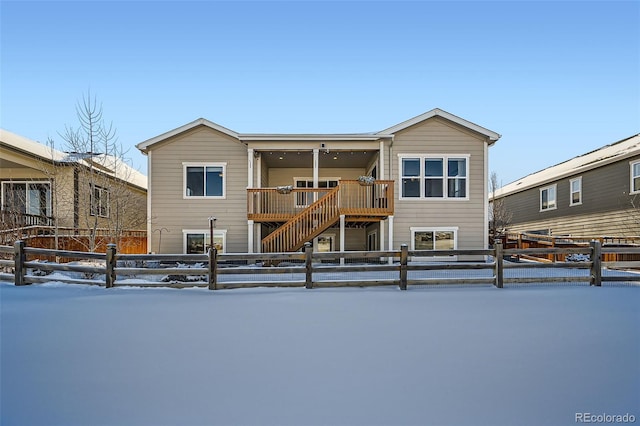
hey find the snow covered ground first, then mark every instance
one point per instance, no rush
(526, 355)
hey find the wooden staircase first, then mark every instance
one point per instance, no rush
(306, 225)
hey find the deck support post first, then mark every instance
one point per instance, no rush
(316, 167)
(342, 237)
(251, 236)
(250, 160)
(596, 263)
(390, 260)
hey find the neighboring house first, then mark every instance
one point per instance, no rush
(274, 192)
(44, 187)
(595, 194)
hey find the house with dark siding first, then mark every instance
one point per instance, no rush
(594, 194)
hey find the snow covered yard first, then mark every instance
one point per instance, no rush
(81, 355)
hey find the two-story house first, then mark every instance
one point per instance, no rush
(78, 193)
(422, 182)
(595, 194)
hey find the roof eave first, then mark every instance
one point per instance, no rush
(568, 173)
(312, 137)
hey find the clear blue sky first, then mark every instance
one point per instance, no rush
(555, 79)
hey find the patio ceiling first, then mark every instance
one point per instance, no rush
(328, 159)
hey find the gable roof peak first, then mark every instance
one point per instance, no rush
(437, 112)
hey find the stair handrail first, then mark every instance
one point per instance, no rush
(328, 204)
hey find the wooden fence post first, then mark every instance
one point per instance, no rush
(404, 256)
(110, 275)
(308, 252)
(213, 268)
(499, 265)
(596, 263)
(19, 259)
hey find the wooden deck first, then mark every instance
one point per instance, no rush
(303, 214)
(359, 203)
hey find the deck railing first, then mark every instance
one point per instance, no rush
(366, 200)
(278, 205)
(307, 224)
(18, 219)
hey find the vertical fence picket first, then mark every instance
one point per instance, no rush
(19, 259)
(308, 257)
(110, 273)
(404, 257)
(213, 268)
(499, 265)
(596, 263)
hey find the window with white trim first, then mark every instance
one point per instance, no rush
(204, 180)
(635, 177)
(99, 201)
(197, 241)
(575, 191)
(434, 177)
(434, 238)
(27, 197)
(548, 198)
(304, 199)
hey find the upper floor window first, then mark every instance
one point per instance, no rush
(635, 177)
(204, 180)
(575, 189)
(99, 201)
(434, 176)
(548, 198)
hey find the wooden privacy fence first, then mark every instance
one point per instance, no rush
(307, 268)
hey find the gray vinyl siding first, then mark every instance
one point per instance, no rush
(606, 207)
(438, 136)
(171, 211)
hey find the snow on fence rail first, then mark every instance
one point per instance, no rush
(311, 269)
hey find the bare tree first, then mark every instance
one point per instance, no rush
(499, 216)
(104, 203)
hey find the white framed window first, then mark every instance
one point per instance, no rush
(197, 241)
(427, 176)
(635, 177)
(204, 180)
(548, 198)
(99, 201)
(304, 199)
(575, 191)
(29, 197)
(434, 238)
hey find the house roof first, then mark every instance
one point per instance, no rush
(108, 164)
(436, 112)
(384, 134)
(32, 148)
(608, 154)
